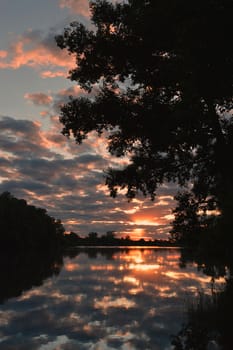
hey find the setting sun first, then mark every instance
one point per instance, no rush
(145, 222)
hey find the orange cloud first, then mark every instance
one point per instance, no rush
(37, 54)
(147, 213)
(146, 221)
(49, 140)
(55, 74)
(3, 54)
(152, 217)
(44, 113)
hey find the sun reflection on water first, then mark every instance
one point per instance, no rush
(106, 299)
(109, 302)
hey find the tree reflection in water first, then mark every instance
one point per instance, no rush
(20, 271)
(209, 317)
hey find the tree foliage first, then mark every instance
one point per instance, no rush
(161, 74)
(25, 226)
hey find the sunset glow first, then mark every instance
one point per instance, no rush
(72, 267)
(37, 162)
(145, 222)
(108, 302)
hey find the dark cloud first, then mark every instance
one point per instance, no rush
(17, 126)
(22, 138)
(51, 172)
(24, 186)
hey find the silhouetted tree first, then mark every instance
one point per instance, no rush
(161, 73)
(72, 239)
(111, 234)
(109, 238)
(93, 235)
(25, 226)
(190, 219)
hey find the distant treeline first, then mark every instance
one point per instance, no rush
(110, 239)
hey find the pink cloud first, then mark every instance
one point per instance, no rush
(49, 141)
(37, 53)
(44, 113)
(80, 7)
(39, 99)
(53, 74)
(3, 54)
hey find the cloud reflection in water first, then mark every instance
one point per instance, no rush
(129, 300)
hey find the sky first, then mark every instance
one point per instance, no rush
(38, 163)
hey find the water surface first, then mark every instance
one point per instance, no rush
(102, 299)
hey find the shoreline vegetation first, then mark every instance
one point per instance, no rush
(110, 240)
